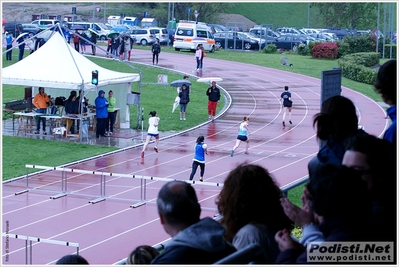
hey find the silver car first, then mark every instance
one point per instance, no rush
(162, 35)
(143, 36)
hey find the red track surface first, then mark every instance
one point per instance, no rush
(109, 230)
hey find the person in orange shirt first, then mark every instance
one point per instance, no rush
(40, 102)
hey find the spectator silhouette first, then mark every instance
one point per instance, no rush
(342, 208)
(246, 188)
(386, 86)
(194, 241)
(335, 123)
(142, 255)
(72, 259)
(375, 159)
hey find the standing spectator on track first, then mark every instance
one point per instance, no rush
(156, 50)
(287, 104)
(184, 94)
(83, 42)
(75, 38)
(9, 41)
(200, 150)
(194, 240)
(203, 54)
(109, 47)
(243, 134)
(101, 113)
(153, 131)
(386, 86)
(93, 39)
(213, 94)
(21, 47)
(198, 56)
(115, 42)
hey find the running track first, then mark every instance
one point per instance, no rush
(107, 231)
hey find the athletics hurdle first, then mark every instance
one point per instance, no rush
(38, 240)
(103, 175)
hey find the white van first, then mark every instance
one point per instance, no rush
(45, 23)
(189, 34)
(99, 27)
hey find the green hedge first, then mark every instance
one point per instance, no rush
(356, 67)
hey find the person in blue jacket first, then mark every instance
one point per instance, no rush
(386, 86)
(101, 113)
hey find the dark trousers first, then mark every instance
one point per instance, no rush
(154, 56)
(93, 49)
(109, 126)
(21, 54)
(76, 46)
(40, 118)
(198, 63)
(100, 126)
(9, 53)
(194, 169)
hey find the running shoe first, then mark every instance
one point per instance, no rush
(246, 153)
(201, 180)
(156, 149)
(142, 154)
(290, 122)
(232, 153)
(283, 124)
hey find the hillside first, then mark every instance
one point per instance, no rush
(18, 11)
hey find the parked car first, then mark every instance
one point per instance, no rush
(144, 36)
(14, 28)
(289, 42)
(263, 32)
(325, 37)
(235, 40)
(214, 28)
(162, 35)
(30, 28)
(45, 23)
(287, 30)
(263, 41)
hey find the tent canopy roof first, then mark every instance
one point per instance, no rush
(58, 65)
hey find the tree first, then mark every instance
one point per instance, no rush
(348, 15)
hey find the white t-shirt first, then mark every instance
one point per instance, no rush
(153, 125)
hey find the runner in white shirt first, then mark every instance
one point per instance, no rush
(242, 136)
(152, 132)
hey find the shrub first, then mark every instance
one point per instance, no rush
(325, 50)
(270, 49)
(356, 67)
(303, 50)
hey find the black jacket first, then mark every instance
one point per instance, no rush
(214, 95)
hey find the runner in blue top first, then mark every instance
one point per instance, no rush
(287, 104)
(242, 136)
(200, 150)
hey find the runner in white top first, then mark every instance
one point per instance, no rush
(153, 122)
(242, 136)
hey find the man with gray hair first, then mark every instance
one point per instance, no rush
(194, 240)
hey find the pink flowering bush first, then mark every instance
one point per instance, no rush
(325, 50)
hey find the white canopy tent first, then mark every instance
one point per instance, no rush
(57, 65)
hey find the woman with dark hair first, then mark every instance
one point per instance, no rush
(335, 124)
(72, 259)
(153, 122)
(142, 255)
(247, 188)
(200, 150)
(184, 94)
